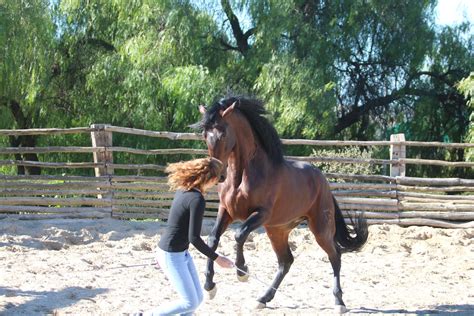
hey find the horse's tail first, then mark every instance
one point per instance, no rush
(350, 238)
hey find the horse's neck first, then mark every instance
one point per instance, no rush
(245, 149)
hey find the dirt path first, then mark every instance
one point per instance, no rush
(73, 267)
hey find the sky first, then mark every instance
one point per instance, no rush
(451, 12)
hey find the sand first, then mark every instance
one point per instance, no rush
(103, 267)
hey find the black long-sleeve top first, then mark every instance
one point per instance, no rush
(184, 224)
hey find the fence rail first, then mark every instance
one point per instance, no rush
(441, 202)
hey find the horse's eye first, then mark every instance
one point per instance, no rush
(220, 132)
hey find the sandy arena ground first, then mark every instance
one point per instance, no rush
(76, 267)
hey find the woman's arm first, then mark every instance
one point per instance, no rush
(196, 213)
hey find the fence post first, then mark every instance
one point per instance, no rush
(101, 138)
(397, 152)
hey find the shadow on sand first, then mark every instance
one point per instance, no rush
(45, 302)
(457, 309)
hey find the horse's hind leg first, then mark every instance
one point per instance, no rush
(325, 237)
(279, 239)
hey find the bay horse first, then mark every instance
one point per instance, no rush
(262, 188)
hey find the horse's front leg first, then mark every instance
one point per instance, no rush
(279, 239)
(223, 220)
(254, 221)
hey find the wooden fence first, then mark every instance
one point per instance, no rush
(397, 199)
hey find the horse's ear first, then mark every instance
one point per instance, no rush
(229, 110)
(202, 109)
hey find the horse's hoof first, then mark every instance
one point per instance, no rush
(243, 274)
(243, 278)
(260, 305)
(212, 293)
(340, 309)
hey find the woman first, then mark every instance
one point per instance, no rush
(191, 179)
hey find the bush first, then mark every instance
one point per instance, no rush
(346, 168)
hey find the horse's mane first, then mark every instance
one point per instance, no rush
(254, 111)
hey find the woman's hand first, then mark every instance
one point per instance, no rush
(224, 262)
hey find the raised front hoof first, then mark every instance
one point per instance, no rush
(242, 274)
(211, 293)
(340, 309)
(260, 305)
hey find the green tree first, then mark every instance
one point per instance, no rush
(354, 69)
(26, 54)
(136, 53)
(466, 86)
(361, 66)
(439, 112)
(326, 69)
(142, 64)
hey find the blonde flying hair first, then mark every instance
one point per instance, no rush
(198, 173)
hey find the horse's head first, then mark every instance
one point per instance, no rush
(219, 136)
(239, 122)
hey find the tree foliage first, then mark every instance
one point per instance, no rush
(26, 55)
(466, 86)
(326, 69)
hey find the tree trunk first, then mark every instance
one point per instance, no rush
(23, 141)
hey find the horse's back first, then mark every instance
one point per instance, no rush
(302, 186)
(306, 174)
